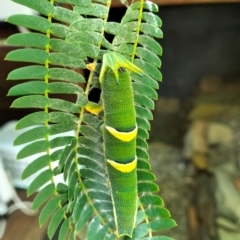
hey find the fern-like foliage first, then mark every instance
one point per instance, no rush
(63, 42)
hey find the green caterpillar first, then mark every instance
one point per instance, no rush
(119, 135)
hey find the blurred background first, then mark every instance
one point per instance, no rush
(195, 137)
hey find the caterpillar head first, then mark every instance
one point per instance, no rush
(116, 61)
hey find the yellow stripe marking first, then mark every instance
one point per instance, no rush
(93, 108)
(123, 136)
(123, 167)
(91, 66)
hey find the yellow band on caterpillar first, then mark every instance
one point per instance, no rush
(123, 136)
(124, 167)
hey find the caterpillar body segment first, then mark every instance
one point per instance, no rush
(119, 135)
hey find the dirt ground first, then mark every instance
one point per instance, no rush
(170, 169)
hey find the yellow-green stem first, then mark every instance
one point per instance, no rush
(47, 49)
(138, 29)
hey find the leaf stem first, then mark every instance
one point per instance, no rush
(138, 29)
(46, 109)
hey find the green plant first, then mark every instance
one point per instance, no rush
(59, 50)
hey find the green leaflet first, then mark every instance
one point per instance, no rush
(62, 128)
(59, 30)
(140, 231)
(81, 201)
(142, 133)
(62, 59)
(49, 209)
(145, 90)
(63, 105)
(130, 16)
(65, 15)
(33, 148)
(28, 40)
(143, 123)
(55, 221)
(41, 56)
(154, 212)
(87, 25)
(42, 6)
(86, 213)
(147, 187)
(31, 120)
(65, 154)
(86, 141)
(145, 175)
(36, 165)
(28, 55)
(149, 29)
(96, 10)
(76, 2)
(157, 238)
(152, 19)
(43, 196)
(143, 112)
(92, 121)
(101, 230)
(117, 29)
(147, 55)
(65, 75)
(144, 78)
(149, 68)
(68, 166)
(143, 164)
(60, 45)
(86, 36)
(151, 199)
(39, 181)
(30, 21)
(61, 141)
(151, 44)
(152, 7)
(60, 117)
(28, 88)
(31, 135)
(33, 101)
(64, 230)
(68, 88)
(142, 153)
(73, 178)
(91, 184)
(142, 143)
(29, 72)
(143, 101)
(161, 224)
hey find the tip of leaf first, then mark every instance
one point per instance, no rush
(28, 194)
(23, 177)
